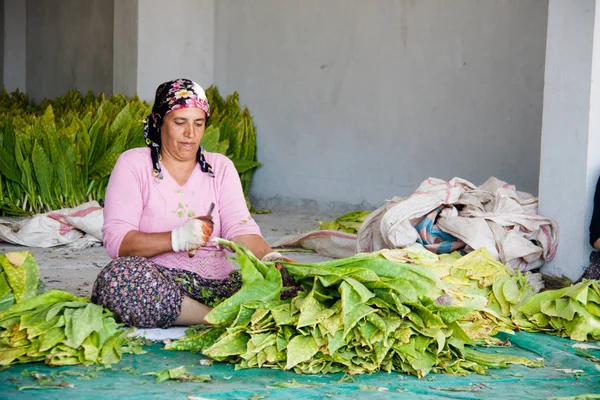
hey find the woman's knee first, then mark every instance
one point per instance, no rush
(136, 291)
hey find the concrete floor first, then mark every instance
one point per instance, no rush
(75, 271)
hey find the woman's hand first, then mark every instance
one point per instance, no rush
(275, 256)
(255, 243)
(192, 235)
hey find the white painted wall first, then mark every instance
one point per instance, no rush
(570, 161)
(176, 40)
(14, 63)
(358, 101)
(69, 46)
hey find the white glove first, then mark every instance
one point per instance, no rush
(193, 234)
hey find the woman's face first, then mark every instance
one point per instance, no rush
(181, 133)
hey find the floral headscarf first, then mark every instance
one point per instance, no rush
(173, 95)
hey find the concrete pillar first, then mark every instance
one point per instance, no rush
(570, 147)
(15, 60)
(175, 40)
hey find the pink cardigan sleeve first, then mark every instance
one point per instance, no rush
(235, 217)
(123, 205)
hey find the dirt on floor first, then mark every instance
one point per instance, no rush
(74, 271)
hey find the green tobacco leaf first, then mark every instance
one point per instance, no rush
(9, 140)
(227, 310)
(497, 288)
(7, 297)
(18, 150)
(65, 171)
(82, 323)
(84, 143)
(223, 147)
(109, 328)
(104, 165)
(96, 130)
(42, 300)
(329, 226)
(533, 304)
(8, 355)
(51, 338)
(584, 327)
(22, 274)
(230, 345)
(498, 360)
(511, 291)
(291, 385)
(37, 328)
(120, 122)
(47, 121)
(250, 145)
(565, 309)
(249, 261)
(300, 349)
(44, 172)
(578, 292)
(349, 222)
(8, 166)
(59, 306)
(210, 140)
(179, 374)
(196, 342)
(91, 348)
(313, 312)
(27, 181)
(244, 165)
(112, 349)
(353, 309)
(249, 270)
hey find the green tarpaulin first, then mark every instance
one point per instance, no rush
(566, 373)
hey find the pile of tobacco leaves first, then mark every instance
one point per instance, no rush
(54, 327)
(349, 222)
(405, 310)
(60, 153)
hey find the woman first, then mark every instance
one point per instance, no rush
(593, 270)
(150, 227)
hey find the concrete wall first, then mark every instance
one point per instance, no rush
(177, 40)
(125, 47)
(2, 42)
(69, 45)
(359, 101)
(14, 44)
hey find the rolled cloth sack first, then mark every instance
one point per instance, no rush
(444, 216)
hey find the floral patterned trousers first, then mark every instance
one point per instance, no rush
(144, 294)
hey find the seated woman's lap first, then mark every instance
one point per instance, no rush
(144, 294)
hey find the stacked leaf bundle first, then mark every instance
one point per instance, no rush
(360, 314)
(477, 274)
(54, 159)
(61, 329)
(234, 134)
(513, 303)
(55, 327)
(60, 154)
(572, 312)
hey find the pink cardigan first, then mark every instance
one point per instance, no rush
(136, 200)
